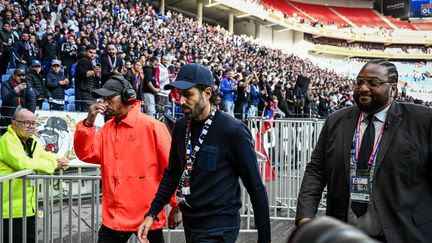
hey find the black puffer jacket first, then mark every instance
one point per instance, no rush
(27, 99)
(82, 81)
(38, 82)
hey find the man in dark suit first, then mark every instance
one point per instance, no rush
(377, 176)
(111, 64)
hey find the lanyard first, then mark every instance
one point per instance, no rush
(113, 64)
(372, 157)
(184, 185)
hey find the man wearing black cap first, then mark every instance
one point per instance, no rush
(37, 79)
(132, 149)
(16, 92)
(210, 150)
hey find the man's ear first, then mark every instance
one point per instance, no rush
(208, 92)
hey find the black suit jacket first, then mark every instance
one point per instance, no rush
(107, 70)
(402, 185)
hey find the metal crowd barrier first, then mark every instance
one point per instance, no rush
(58, 196)
(68, 203)
(288, 144)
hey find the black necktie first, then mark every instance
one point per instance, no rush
(367, 144)
(366, 148)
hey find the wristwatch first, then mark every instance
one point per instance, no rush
(152, 215)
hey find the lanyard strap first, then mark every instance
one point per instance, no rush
(112, 63)
(373, 155)
(184, 185)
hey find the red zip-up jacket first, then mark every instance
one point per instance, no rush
(133, 156)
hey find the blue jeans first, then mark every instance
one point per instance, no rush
(229, 106)
(252, 111)
(149, 104)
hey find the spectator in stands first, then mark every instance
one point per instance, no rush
(255, 95)
(151, 86)
(214, 174)
(20, 30)
(265, 90)
(34, 45)
(50, 51)
(36, 78)
(56, 83)
(87, 76)
(243, 95)
(7, 39)
(280, 94)
(135, 76)
(324, 105)
(16, 92)
(228, 89)
(22, 52)
(347, 150)
(129, 182)
(20, 151)
(7, 16)
(164, 79)
(69, 53)
(111, 63)
(82, 46)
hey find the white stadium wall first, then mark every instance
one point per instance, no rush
(245, 28)
(288, 40)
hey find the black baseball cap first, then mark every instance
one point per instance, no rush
(110, 88)
(19, 71)
(190, 75)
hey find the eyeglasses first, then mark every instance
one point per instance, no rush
(27, 123)
(370, 82)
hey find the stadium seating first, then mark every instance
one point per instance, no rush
(322, 13)
(362, 17)
(45, 105)
(285, 8)
(422, 25)
(70, 92)
(10, 71)
(5, 77)
(400, 24)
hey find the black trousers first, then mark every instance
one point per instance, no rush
(107, 235)
(17, 230)
(217, 235)
(86, 99)
(4, 61)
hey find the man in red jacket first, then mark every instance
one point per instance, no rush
(132, 149)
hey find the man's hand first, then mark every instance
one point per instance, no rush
(64, 82)
(303, 221)
(144, 228)
(62, 163)
(123, 71)
(20, 87)
(97, 70)
(94, 110)
(174, 218)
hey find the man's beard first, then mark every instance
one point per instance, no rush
(376, 103)
(196, 110)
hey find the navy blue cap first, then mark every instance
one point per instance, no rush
(190, 75)
(36, 63)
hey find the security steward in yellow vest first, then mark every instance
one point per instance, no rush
(20, 151)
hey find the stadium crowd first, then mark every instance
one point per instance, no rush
(92, 40)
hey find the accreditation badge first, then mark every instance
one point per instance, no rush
(360, 188)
